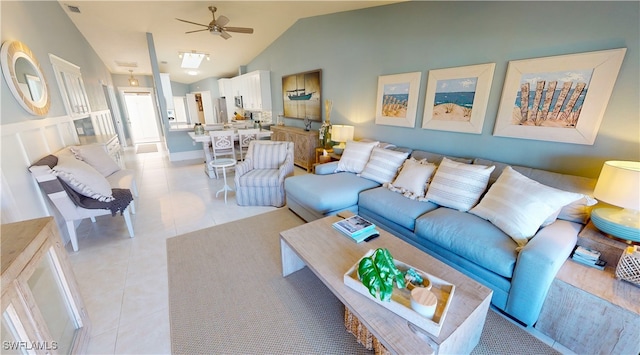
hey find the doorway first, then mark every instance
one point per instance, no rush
(141, 116)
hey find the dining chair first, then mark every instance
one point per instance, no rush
(222, 145)
(245, 136)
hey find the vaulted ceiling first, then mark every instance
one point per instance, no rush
(117, 31)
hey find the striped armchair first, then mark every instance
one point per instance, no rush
(259, 179)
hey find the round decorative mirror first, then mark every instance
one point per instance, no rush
(24, 77)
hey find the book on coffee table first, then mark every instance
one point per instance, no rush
(356, 227)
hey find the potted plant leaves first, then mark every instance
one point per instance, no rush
(378, 273)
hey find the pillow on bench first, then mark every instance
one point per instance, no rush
(83, 178)
(95, 156)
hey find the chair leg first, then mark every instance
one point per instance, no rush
(127, 221)
(134, 188)
(71, 228)
(93, 219)
(132, 206)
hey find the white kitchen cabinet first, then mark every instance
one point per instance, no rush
(166, 90)
(225, 88)
(255, 89)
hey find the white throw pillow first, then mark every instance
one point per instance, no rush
(83, 178)
(518, 205)
(355, 156)
(458, 185)
(96, 156)
(383, 165)
(413, 178)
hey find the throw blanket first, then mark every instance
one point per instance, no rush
(123, 198)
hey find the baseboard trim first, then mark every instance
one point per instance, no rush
(188, 155)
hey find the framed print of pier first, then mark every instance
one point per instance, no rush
(397, 99)
(558, 99)
(302, 95)
(456, 98)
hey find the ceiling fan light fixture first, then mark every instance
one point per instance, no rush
(133, 81)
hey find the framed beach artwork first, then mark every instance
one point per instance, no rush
(456, 98)
(302, 95)
(559, 99)
(397, 99)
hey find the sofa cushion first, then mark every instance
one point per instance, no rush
(519, 205)
(355, 156)
(383, 165)
(470, 237)
(261, 178)
(458, 185)
(394, 207)
(413, 179)
(269, 156)
(327, 193)
(577, 211)
(83, 178)
(97, 157)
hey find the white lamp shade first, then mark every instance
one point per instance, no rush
(619, 184)
(341, 133)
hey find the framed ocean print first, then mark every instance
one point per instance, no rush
(456, 98)
(558, 99)
(397, 99)
(302, 95)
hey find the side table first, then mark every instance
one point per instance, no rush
(590, 311)
(224, 164)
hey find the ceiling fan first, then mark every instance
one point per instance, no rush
(217, 26)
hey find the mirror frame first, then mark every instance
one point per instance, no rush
(10, 52)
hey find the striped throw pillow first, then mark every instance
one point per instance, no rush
(458, 185)
(383, 165)
(355, 156)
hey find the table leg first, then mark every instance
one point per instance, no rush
(291, 262)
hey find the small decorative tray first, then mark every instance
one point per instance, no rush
(400, 302)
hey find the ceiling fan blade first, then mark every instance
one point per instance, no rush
(193, 23)
(221, 21)
(239, 29)
(225, 34)
(206, 29)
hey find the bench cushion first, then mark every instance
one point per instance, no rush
(326, 193)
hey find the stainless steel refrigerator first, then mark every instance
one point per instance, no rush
(220, 109)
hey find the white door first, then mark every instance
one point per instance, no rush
(192, 109)
(207, 107)
(141, 117)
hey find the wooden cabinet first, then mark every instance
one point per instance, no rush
(305, 144)
(42, 311)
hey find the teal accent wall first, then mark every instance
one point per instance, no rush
(354, 48)
(45, 28)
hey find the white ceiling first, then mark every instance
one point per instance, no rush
(117, 31)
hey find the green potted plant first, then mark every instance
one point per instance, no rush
(378, 273)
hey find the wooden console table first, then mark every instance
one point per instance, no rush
(590, 311)
(304, 142)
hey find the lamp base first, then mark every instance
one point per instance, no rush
(621, 223)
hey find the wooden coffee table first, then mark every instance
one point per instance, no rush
(329, 254)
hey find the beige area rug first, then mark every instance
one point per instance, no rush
(227, 295)
(146, 148)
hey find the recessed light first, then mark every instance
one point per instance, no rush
(192, 72)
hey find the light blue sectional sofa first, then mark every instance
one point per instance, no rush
(519, 279)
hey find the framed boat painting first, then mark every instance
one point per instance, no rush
(558, 99)
(456, 98)
(302, 95)
(397, 99)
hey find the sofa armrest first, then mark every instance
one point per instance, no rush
(326, 168)
(244, 166)
(537, 265)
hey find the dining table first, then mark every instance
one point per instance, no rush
(205, 140)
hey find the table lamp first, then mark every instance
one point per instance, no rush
(619, 185)
(341, 134)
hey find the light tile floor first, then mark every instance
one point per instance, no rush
(123, 280)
